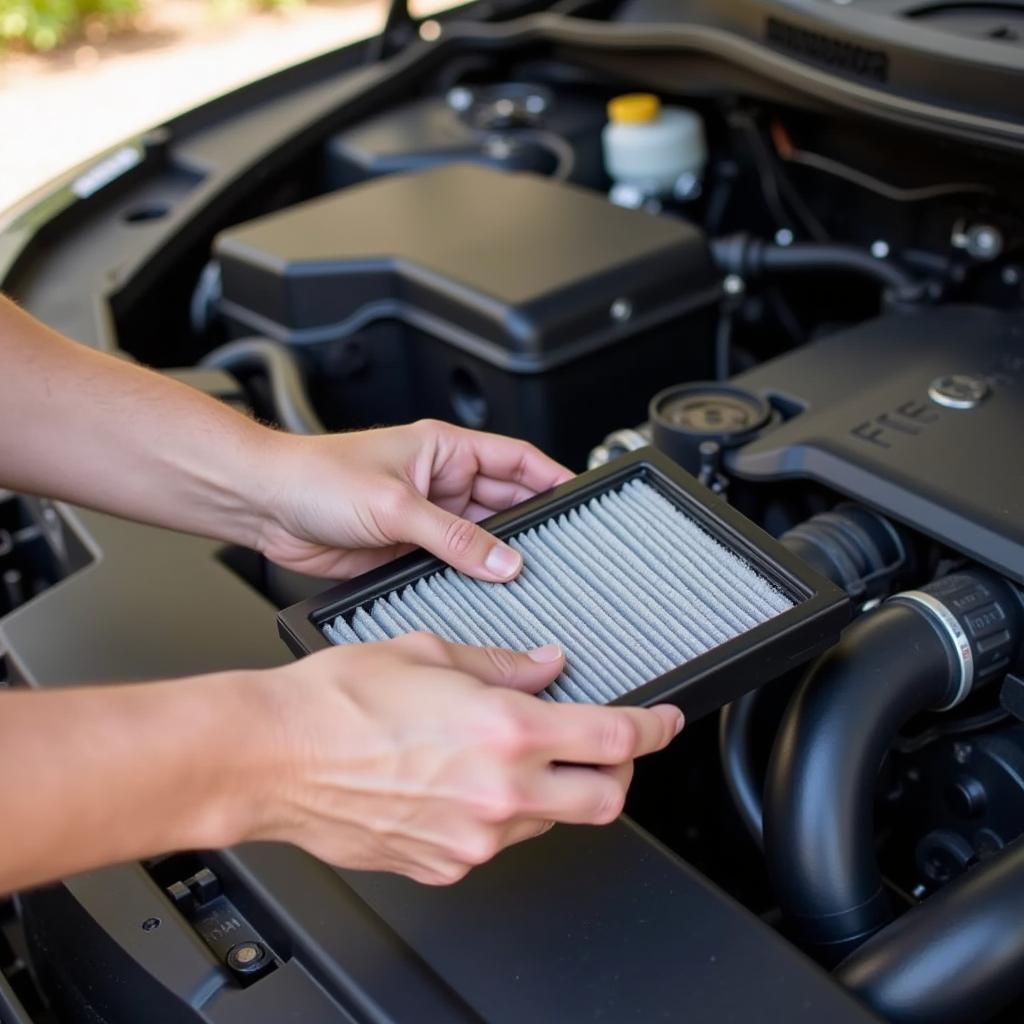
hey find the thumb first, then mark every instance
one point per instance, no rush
(462, 544)
(530, 671)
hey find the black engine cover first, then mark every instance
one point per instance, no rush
(920, 415)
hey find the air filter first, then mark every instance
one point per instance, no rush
(655, 588)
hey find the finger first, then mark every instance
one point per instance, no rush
(530, 671)
(594, 735)
(459, 542)
(522, 831)
(579, 796)
(477, 513)
(504, 458)
(500, 494)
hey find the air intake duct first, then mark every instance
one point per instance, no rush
(922, 650)
(655, 588)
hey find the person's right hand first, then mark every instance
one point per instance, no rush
(426, 758)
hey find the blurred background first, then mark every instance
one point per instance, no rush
(78, 76)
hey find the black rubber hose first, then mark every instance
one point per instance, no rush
(855, 548)
(822, 776)
(291, 405)
(735, 741)
(752, 258)
(958, 958)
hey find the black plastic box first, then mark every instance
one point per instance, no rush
(819, 611)
(502, 301)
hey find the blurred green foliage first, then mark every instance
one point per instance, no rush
(45, 24)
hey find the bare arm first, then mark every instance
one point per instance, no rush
(414, 756)
(86, 427)
(96, 775)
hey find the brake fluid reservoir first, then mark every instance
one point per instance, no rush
(651, 148)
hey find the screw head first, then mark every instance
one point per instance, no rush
(880, 249)
(459, 98)
(959, 391)
(984, 241)
(535, 103)
(962, 752)
(621, 310)
(247, 957)
(151, 924)
(733, 285)
(783, 237)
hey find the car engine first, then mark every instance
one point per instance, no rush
(576, 235)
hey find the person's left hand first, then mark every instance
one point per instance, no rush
(340, 504)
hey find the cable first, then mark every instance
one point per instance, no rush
(558, 147)
(292, 408)
(786, 151)
(774, 184)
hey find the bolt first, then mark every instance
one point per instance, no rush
(783, 237)
(984, 242)
(535, 103)
(734, 285)
(686, 187)
(629, 196)
(980, 241)
(962, 752)
(880, 249)
(430, 31)
(498, 148)
(151, 924)
(460, 98)
(247, 957)
(621, 310)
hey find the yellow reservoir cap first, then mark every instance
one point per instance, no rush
(634, 108)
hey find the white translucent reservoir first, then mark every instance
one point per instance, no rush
(650, 147)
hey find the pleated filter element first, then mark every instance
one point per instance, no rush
(627, 584)
(655, 588)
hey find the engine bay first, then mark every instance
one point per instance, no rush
(813, 311)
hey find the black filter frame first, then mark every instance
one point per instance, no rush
(820, 610)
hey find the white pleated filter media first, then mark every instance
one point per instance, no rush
(627, 584)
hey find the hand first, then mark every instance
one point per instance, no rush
(400, 757)
(340, 504)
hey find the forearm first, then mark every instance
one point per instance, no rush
(98, 775)
(82, 426)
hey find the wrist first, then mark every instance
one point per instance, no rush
(247, 491)
(233, 742)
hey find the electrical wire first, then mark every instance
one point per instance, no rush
(776, 188)
(789, 153)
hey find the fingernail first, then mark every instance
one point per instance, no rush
(547, 654)
(502, 562)
(680, 718)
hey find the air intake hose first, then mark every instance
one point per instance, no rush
(956, 958)
(861, 552)
(921, 650)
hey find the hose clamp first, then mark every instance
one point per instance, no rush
(950, 625)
